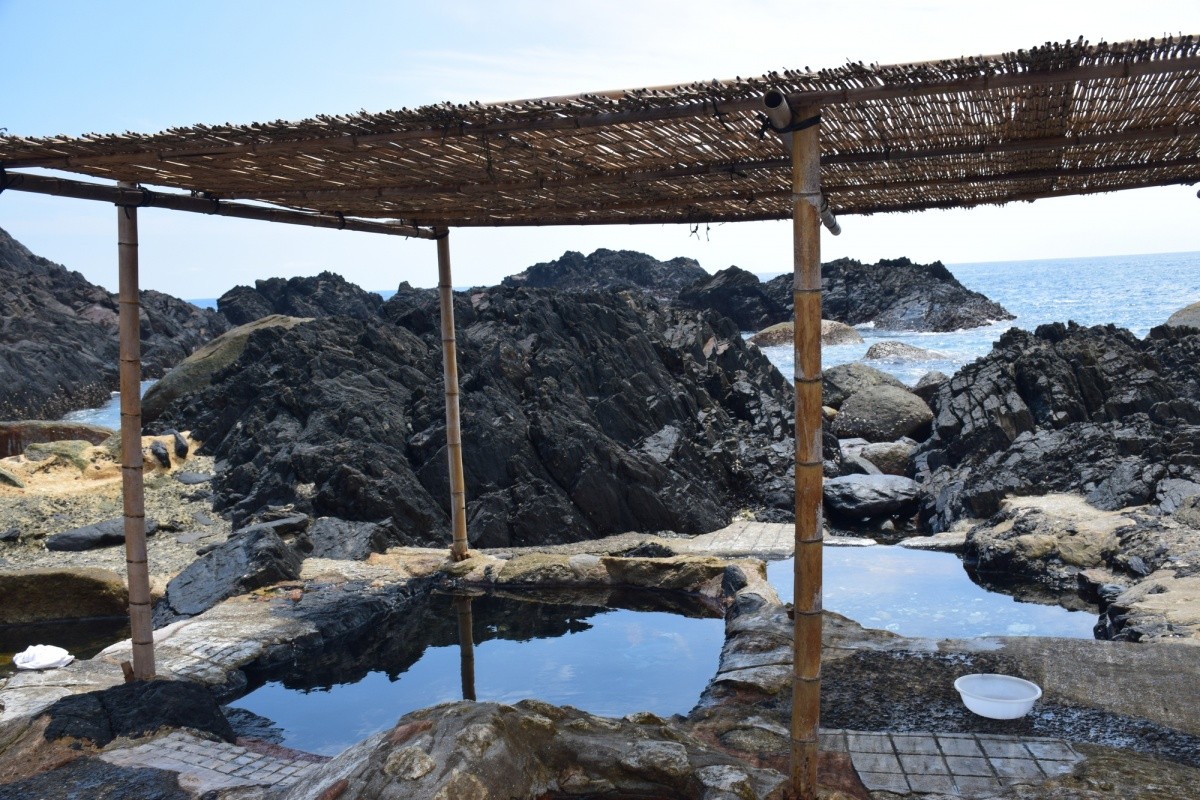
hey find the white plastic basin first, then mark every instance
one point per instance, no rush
(997, 696)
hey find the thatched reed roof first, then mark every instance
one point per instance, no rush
(1059, 119)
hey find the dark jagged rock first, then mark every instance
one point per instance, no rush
(739, 295)
(338, 538)
(324, 295)
(58, 336)
(1065, 409)
(611, 270)
(858, 497)
(583, 415)
(896, 295)
(136, 709)
(249, 559)
(100, 534)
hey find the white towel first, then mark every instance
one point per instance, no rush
(42, 656)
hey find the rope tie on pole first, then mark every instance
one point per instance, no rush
(799, 125)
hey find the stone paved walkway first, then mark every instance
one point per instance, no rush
(204, 765)
(958, 764)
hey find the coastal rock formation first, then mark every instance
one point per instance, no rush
(610, 271)
(324, 295)
(739, 295)
(895, 294)
(583, 414)
(59, 335)
(1065, 409)
(1188, 316)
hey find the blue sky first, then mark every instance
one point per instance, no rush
(76, 67)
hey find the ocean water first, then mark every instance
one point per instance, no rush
(1134, 292)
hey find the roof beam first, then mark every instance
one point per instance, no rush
(137, 197)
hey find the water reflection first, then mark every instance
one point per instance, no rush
(607, 661)
(920, 593)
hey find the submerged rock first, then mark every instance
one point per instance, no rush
(583, 415)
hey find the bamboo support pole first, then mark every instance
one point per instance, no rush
(466, 646)
(129, 331)
(806, 653)
(458, 491)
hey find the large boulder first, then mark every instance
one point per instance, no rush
(98, 534)
(583, 415)
(59, 336)
(254, 557)
(466, 749)
(739, 295)
(895, 294)
(324, 295)
(843, 380)
(882, 414)
(1065, 409)
(860, 497)
(609, 271)
(47, 595)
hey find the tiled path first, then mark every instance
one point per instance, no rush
(204, 765)
(957, 764)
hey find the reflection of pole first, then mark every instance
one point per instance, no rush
(466, 646)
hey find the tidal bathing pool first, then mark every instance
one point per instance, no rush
(81, 638)
(607, 661)
(613, 661)
(926, 594)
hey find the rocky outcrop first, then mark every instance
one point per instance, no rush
(739, 295)
(58, 336)
(16, 436)
(46, 595)
(610, 271)
(324, 295)
(1065, 409)
(583, 414)
(196, 371)
(895, 294)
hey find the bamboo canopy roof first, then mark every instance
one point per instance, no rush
(1059, 119)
